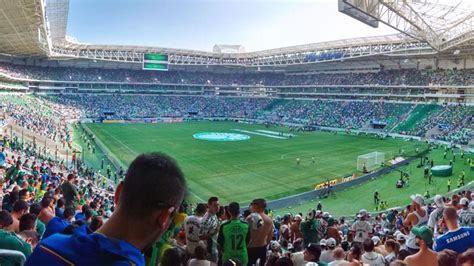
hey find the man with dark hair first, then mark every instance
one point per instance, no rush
(192, 228)
(31, 237)
(57, 224)
(370, 257)
(234, 235)
(210, 228)
(20, 208)
(6, 220)
(11, 241)
(261, 231)
(145, 201)
(82, 215)
(312, 252)
(458, 239)
(47, 210)
(60, 206)
(70, 192)
(28, 222)
(35, 209)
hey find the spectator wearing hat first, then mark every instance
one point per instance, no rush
(370, 257)
(466, 214)
(436, 214)
(145, 201)
(361, 228)
(261, 231)
(424, 256)
(418, 217)
(327, 255)
(457, 238)
(378, 246)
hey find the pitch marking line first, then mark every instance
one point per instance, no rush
(260, 134)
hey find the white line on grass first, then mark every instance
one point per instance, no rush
(121, 143)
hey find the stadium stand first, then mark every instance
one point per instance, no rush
(59, 211)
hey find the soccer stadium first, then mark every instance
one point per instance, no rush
(353, 151)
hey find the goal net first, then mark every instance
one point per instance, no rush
(371, 160)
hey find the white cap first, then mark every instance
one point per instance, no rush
(326, 214)
(464, 201)
(418, 199)
(438, 200)
(331, 242)
(274, 245)
(401, 237)
(363, 212)
(322, 242)
(376, 240)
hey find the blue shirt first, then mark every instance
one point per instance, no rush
(80, 216)
(84, 249)
(55, 225)
(59, 212)
(2, 158)
(459, 240)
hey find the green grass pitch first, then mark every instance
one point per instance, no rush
(266, 167)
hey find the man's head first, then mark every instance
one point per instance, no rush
(417, 201)
(69, 213)
(152, 190)
(31, 237)
(312, 252)
(201, 209)
(424, 236)
(368, 245)
(450, 216)
(47, 202)
(20, 207)
(28, 222)
(5, 219)
(71, 177)
(234, 209)
(258, 205)
(213, 205)
(35, 208)
(338, 253)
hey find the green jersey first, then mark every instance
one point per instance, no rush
(11, 241)
(311, 231)
(234, 235)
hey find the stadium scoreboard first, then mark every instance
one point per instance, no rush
(155, 62)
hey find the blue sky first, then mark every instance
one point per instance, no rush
(199, 24)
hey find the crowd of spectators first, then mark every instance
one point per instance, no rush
(454, 122)
(55, 215)
(43, 117)
(385, 77)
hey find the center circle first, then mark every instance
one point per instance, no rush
(220, 136)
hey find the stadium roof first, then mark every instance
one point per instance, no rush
(23, 30)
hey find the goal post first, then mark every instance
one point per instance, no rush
(371, 160)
